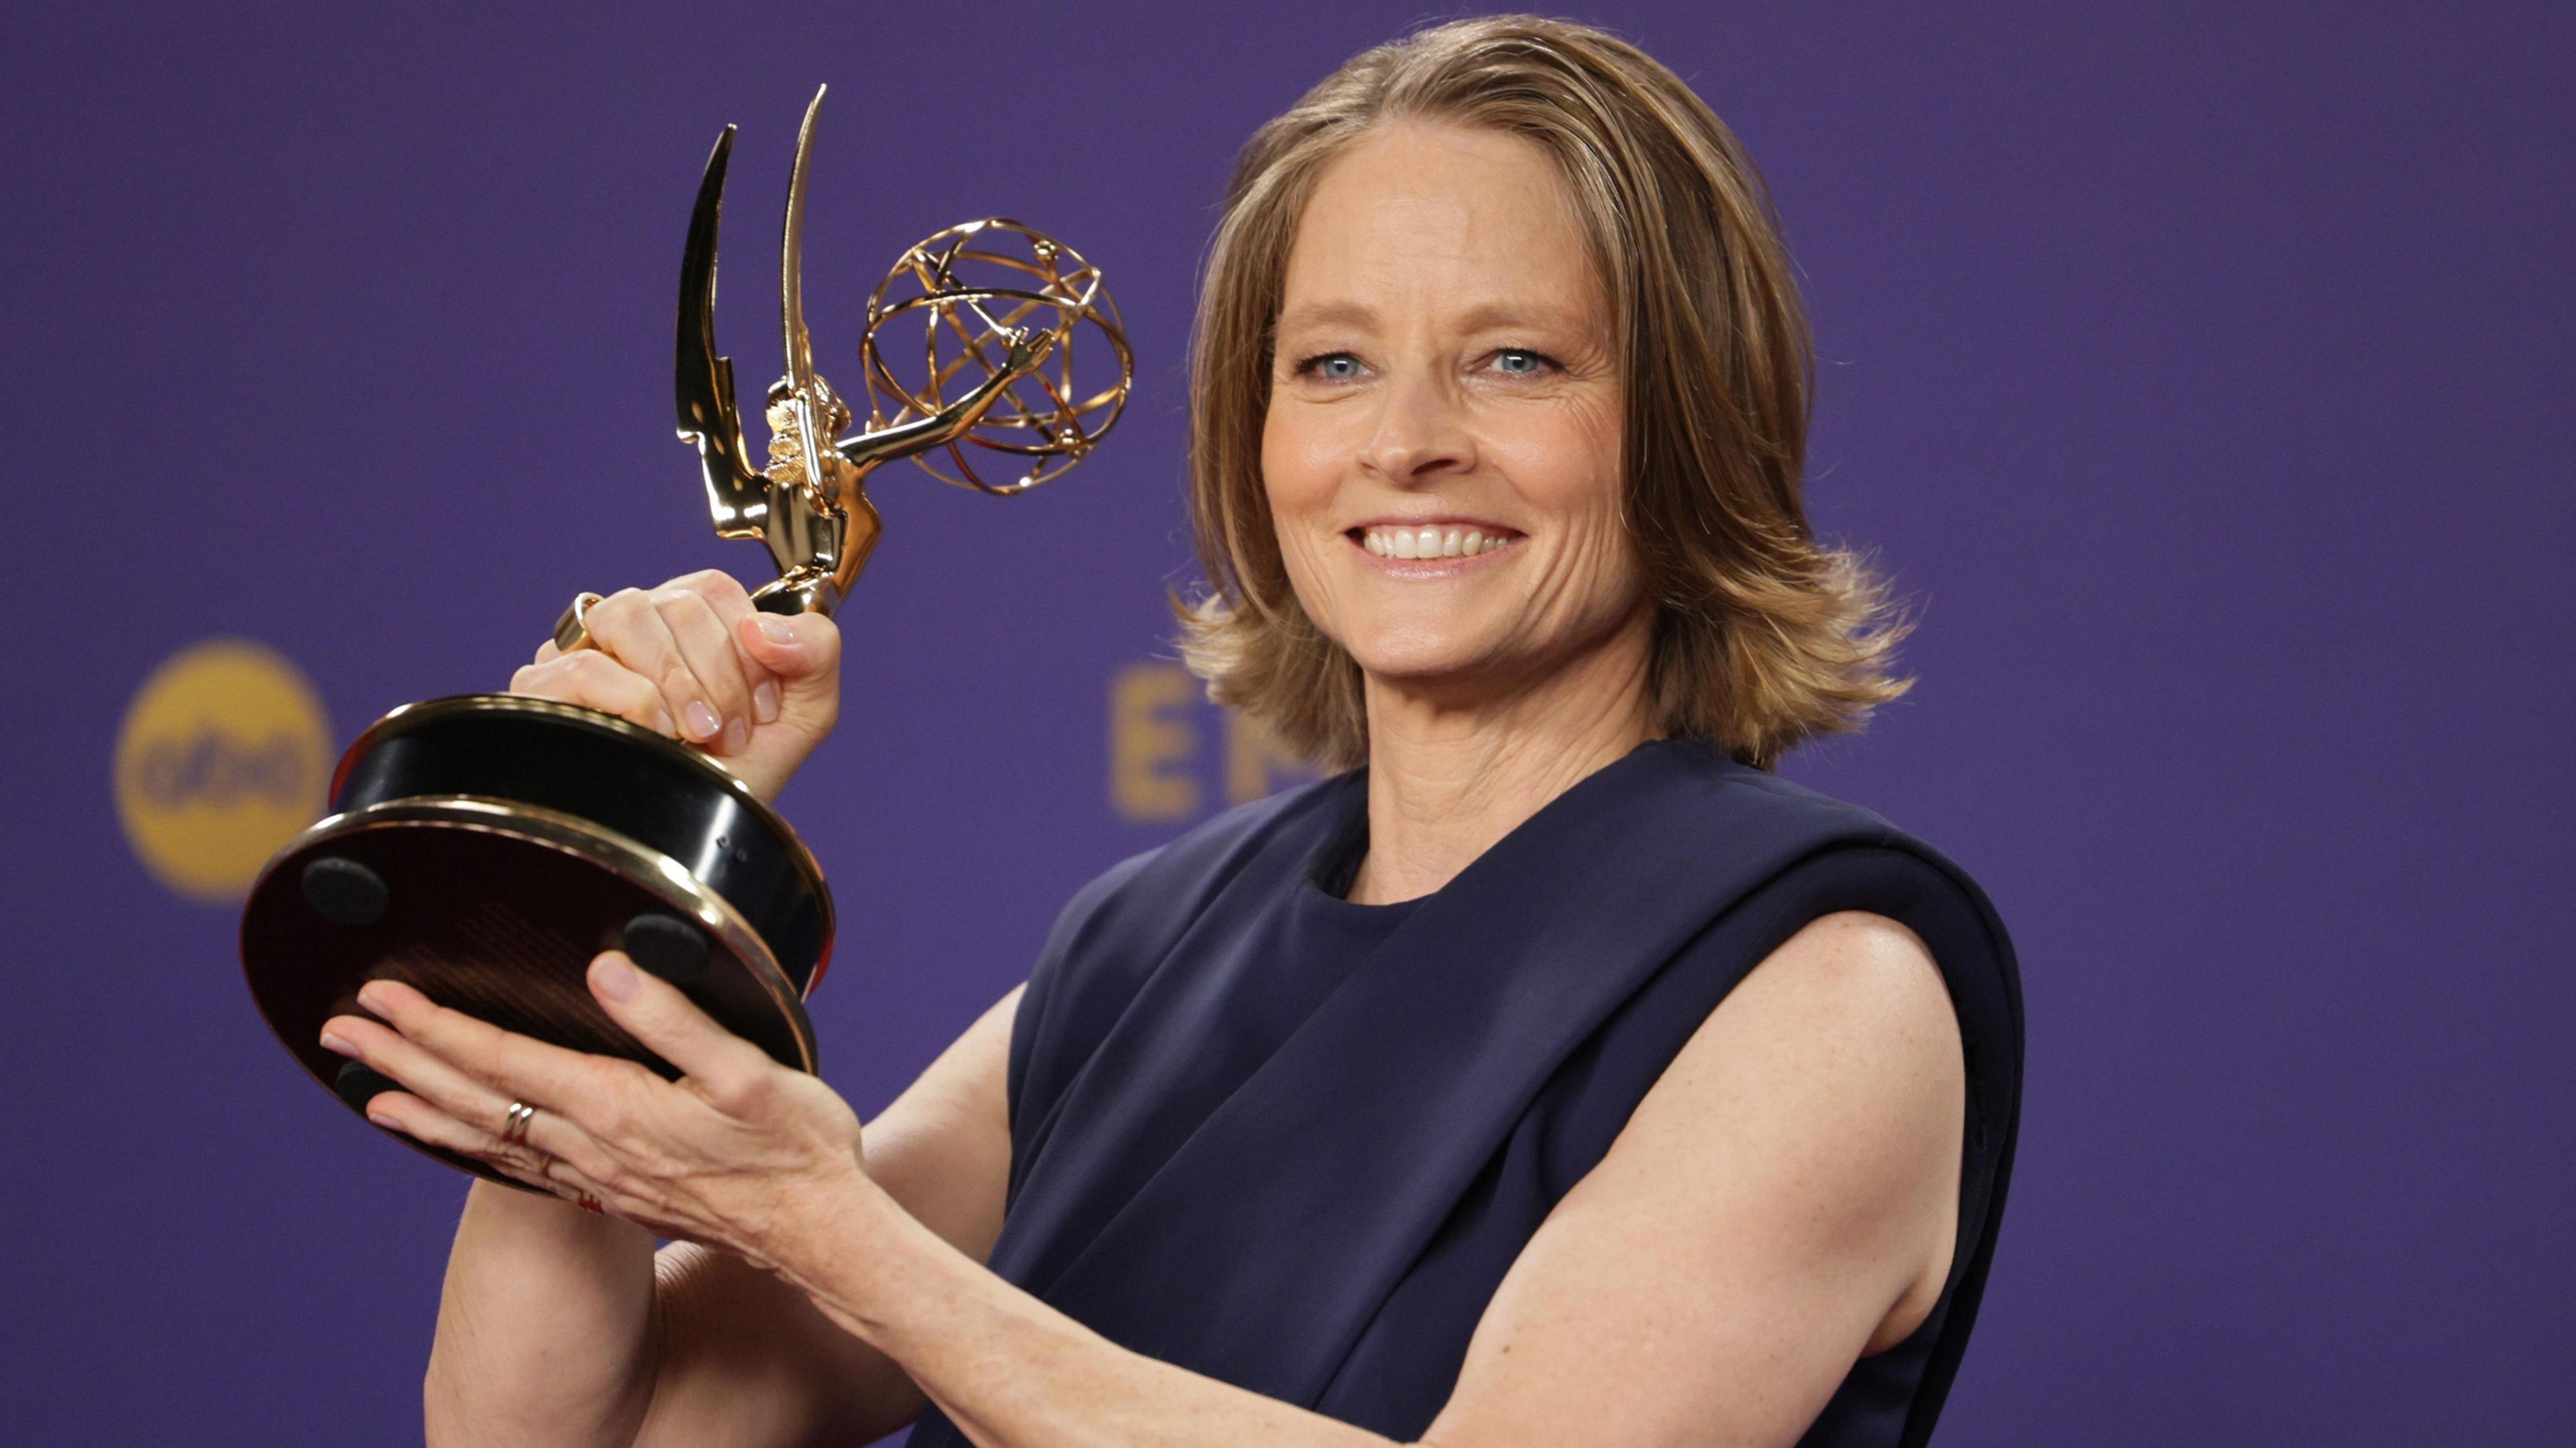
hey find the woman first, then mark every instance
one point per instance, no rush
(1555, 1074)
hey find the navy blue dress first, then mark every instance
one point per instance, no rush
(1294, 1143)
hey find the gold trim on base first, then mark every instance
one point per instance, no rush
(411, 716)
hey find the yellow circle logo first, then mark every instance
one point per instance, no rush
(225, 754)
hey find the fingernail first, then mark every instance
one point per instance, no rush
(764, 703)
(736, 735)
(331, 1042)
(778, 631)
(387, 1122)
(662, 722)
(616, 979)
(372, 998)
(702, 721)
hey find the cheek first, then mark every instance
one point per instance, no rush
(1598, 577)
(1294, 468)
(1303, 468)
(1298, 482)
(1565, 463)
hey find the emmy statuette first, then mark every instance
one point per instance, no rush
(483, 848)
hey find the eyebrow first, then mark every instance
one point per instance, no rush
(1486, 317)
(1327, 314)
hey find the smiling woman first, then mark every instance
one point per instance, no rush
(1599, 238)
(1555, 1073)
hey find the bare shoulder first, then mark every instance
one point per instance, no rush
(1844, 1037)
(1783, 1202)
(1854, 971)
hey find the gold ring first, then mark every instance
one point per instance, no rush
(514, 1127)
(572, 630)
(586, 1202)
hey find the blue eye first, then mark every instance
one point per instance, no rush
(1519, 362)
(1332, 367)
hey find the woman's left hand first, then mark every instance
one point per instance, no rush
(726, 1155)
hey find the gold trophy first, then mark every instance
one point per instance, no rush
(485, 847)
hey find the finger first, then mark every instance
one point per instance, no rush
(455, 1094)
(732, 605)
(547, 653)
(424, 1122)
(724, 1066)
(418, 1071)
(629, 626)
(804, 651)
(571, 1084)
(794, 646)
(594, 680)
(532, 1164)
(526, 1162)
(706, 646)
(575, 1188)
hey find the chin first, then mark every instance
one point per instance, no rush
(1415, 656)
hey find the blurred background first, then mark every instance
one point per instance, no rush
(2201, 372)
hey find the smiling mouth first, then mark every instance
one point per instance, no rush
(1433, 541)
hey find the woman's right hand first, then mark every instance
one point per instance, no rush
(693, 659)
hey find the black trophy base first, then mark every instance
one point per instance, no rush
(485, 849)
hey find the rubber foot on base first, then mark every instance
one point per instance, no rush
(345, 892)
(668, 946)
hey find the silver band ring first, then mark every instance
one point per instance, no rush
(514, 1127)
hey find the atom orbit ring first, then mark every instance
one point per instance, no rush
(514, 1127)
(572, 630)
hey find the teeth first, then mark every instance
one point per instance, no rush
(1429, 542)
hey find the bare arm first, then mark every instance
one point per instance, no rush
(546, 1326)
(749, 1360)
(1783, 1202)
(557, 1326)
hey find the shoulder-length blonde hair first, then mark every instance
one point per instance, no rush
(1762, 637)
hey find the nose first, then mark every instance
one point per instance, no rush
(1419, 435)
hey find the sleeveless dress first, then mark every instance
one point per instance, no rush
(1294, 1143)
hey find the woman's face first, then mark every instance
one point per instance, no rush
(1441, 449)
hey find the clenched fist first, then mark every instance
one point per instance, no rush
(694, 659)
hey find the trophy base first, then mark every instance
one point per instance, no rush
(486, 848)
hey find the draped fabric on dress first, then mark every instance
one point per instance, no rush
(1294, 1143)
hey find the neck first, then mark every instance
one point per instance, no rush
(1449, 776)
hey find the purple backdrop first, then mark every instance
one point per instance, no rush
(2202, 374)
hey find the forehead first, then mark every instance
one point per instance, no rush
(1420, 215)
